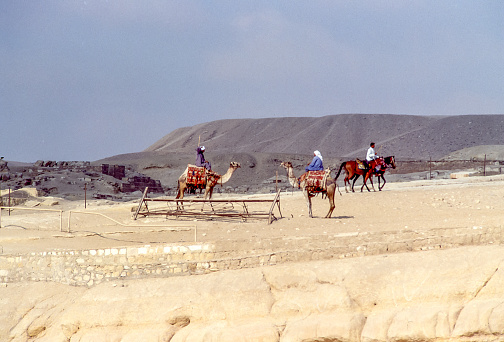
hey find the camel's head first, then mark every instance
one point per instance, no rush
(234, 165)
(287, 165)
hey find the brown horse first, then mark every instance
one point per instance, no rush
(353, 170)
(384, 163)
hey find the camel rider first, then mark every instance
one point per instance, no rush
(371, 155)
(3, 164)
(200, 158)
(316, 163)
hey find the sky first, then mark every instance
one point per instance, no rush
(85, 80)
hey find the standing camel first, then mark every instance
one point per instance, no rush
(208, 180)
(327, 186)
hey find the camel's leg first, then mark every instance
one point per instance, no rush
(308, 202)
(180, 195)
(330, 195)
(208, 193)
(181, 189)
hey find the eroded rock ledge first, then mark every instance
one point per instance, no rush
(437, 295)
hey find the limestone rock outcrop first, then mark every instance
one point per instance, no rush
(455, 295)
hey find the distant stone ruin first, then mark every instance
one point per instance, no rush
(132, 184)
(116, 171)
(63, 164)
(70, 178)
(139, 183)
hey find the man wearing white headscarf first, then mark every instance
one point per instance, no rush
(200, 158)
(316, 163)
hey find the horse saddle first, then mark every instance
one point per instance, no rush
(360, 164)
(314, 180)
(199, 176)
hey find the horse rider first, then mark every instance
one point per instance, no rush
(200, 158)
(371, 155)
(316, 163)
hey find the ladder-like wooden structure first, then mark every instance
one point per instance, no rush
(205, 209)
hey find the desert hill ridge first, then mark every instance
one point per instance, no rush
(261, 144)
(344, 135)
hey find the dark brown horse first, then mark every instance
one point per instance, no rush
(353, 170)
(384, 163)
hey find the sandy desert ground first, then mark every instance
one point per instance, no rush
(416, 205)
(453, 288)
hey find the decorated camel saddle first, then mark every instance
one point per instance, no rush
(199, 176)
(315, 180)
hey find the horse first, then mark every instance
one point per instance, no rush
(384, 163)
(353, 171)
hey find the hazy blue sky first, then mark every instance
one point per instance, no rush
(83, 80)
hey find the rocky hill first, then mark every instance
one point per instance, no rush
(346, 135)
(259, 145)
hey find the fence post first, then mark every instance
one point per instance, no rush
(484, 166)
(430, 168)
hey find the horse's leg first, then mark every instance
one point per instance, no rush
(384, 181)
(355, 176)
(330, 195)
(371, 180)
(348, 176)
(366, 177)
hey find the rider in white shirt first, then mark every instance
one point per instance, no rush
(371, 155)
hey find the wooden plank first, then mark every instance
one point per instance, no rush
(276, 200)
(141, 203)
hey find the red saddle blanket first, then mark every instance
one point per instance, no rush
(196, 175)
(314, 179)
(199, 176)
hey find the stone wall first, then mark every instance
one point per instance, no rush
(139, 183)
(90, 267)
(116, 171)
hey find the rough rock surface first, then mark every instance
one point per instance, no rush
(455, 294)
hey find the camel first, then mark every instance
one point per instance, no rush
(328, 187)
(208, 181)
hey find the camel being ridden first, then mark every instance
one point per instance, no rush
(383, 163)
(313, 182)
(195, 177)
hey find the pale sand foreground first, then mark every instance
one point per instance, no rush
(430, 296)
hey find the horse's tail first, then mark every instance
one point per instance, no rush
(339, 171)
